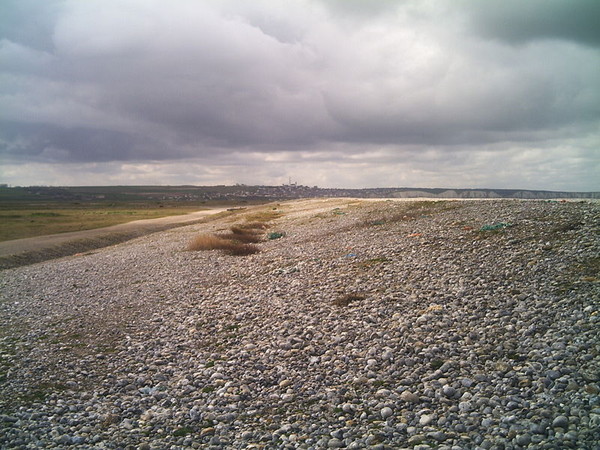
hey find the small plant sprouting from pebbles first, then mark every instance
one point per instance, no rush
(515, 356)
(183, 431)
(373, 262)
(345, 300)
(109, 420)
(436, 364)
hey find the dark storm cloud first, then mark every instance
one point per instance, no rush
(140, 80)
(518, 22)
(54, 143)
(194, 76)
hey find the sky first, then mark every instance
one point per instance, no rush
(334, 93)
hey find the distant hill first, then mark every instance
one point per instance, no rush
(476, 193)
(202, 194)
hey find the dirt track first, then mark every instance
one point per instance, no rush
(20, 252)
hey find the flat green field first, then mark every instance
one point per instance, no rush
(22, 221)
(38, 211)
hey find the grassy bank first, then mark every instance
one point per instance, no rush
(23, 221)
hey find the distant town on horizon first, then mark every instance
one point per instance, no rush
(191, 193)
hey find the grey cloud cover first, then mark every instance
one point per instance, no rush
(335, 93)
(519, 22)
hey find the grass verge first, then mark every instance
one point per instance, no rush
(24, 223)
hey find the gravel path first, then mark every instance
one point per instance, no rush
(368, 325)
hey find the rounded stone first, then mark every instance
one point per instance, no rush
(426, 419)
(465, 406)
(409, 397)
(347, 408)
(386, 412)
(64, 440)
(337, 434)
(561, 422)
(285, 383)
(467, 382)
(486, 422)
(439, 436)
(448, 391)
(524, 439)
(207, 431)
(335, 443)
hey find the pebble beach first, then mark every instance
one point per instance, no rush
(360, 324)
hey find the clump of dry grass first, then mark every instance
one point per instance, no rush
(242, 235)
(206, 242)
(229, 246)
(252, 226)
(240, 238)
(345, 300)
(240, 249)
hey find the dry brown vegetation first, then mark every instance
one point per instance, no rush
(240, 238)
(345, 300)
(250, 226)
(244, 234)
(229, 246)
